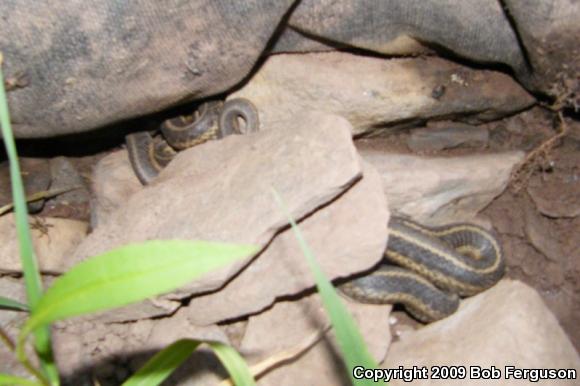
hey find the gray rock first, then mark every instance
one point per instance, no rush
(221, 191)
(437, 190)
(447, 135)
(288, 323)
(508, 325)
(35, 178)
(54, 240)
(370, 92)
(113, 182)
(103, 347)
(347, 236)
(71, 204)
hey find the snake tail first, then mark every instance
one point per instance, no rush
(234, 111)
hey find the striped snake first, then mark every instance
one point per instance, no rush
(434, 266)
(213, 120)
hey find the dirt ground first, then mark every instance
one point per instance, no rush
(540, 225)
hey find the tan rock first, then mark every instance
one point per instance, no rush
(287, 324)
(508, 325)
(222, 191)
(370, 92)
(79, 343)
(10, 321)
(14, 289)
(439, 189)
(54, 239)
(113, 182)
(350, 235)
(447, 135)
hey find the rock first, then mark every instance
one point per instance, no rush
(8, 362)
(347, 236)
(508, 325)
(446, 135)
(35, 177)
(54, 239)
(73, 204)
(12, 289)
(221, 191)
(105, 347)
(288, 324)
(10, 323)
(371, 92)
(436, 190)
(548, 31)
(114, 181)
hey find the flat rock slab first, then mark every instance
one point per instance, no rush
(35, 178)
(447, 135)
(54, 239)
(288, 324)
(437, 189)
(14, 289)
(74, 203)
(113, 182)
(370, 92)
(347, 236)
(222, 191)
(509, 325)
(82, 343)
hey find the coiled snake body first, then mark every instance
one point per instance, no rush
(434, 266)
(213, 120)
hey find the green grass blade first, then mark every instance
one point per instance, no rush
(234, 364)
(9, 304)
(11, 380)
(350, 340)
(129, 274)
(29, 263)
(165, 362)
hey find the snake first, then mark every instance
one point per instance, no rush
(428, 269)
(148, 155)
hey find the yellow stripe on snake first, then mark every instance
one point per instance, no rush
(433, 266)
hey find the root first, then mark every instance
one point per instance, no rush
(522, 173)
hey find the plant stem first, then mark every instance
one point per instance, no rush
(6, 340)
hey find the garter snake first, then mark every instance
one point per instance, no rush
(434, 266)
(213, 120)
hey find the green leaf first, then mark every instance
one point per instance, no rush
(350, 340)
(129, 274)
(32, 279)
(11, 380)
(13, 305)
(234, 364)
(165, 362)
